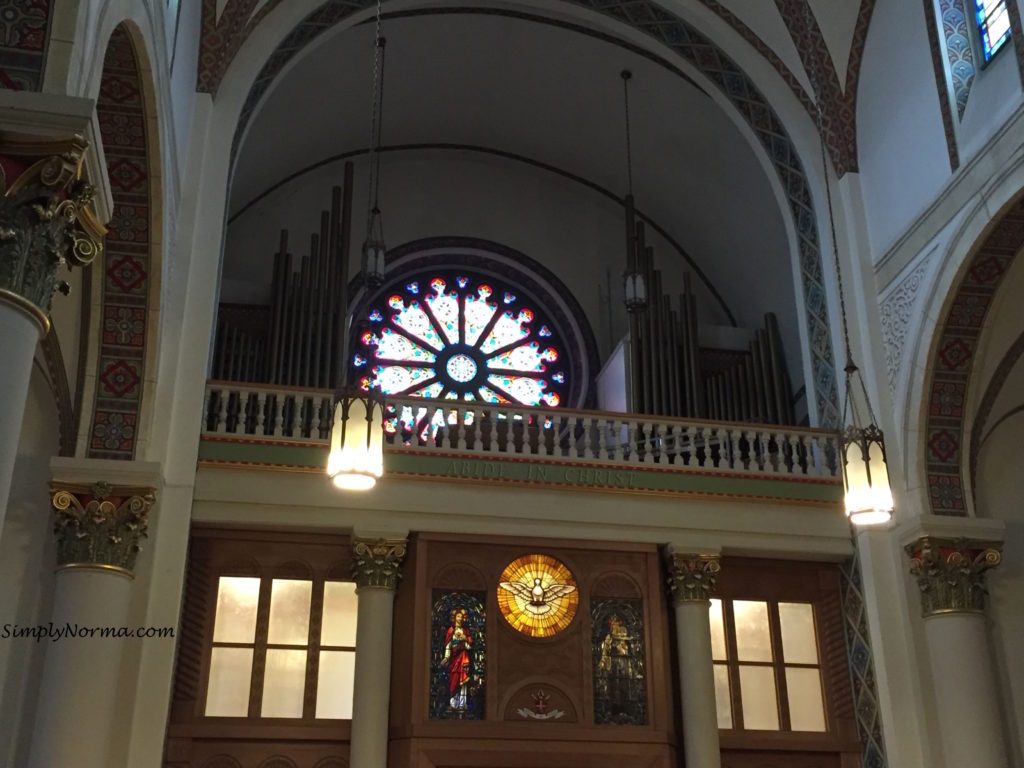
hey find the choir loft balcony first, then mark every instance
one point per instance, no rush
(281, 428)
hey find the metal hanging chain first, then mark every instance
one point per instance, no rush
(382, 50)
(626, 75)
(374, 121)
(851, 367)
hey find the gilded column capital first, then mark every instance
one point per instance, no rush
(692, 577)
(99, 525)
(377, 563)
(46, 221)
(951, 573)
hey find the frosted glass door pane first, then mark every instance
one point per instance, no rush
(760, 704)
(230, 674)
(722, 701)
(806, 709)
(284, 683)
(717, 631)
(237, 599)
(798, 643)
(340, 609)
(289, 612)
(753, 640)
(334, 684)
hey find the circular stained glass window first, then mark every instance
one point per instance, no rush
(537, 595)
(461, 338)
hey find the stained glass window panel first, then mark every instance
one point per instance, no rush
(284, 683)
(227, 694)
(335, 679)
(799, 645)
(760, 704)
(237, 599)
(458, 649)
(723, 700)
(289, 612)
(460, 338)
(537, 595)
(753, 637)
(993, 20)
(340, 613)
(806, 708)
(620, 678)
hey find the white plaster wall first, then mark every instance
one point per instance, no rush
(901, 144)
(573, 231)
(27, 558)
(183, 25)
(995, 95)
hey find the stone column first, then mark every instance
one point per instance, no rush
(951, 576)
(691, 581)
(45, 222)
(98, 530)
(376, 568)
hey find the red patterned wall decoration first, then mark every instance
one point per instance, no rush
(120, 108)
(24, 34)
(952, 360)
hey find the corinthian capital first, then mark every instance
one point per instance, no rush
(46, 220)
(692, 577)
(377, 563)
(100, 526)
(951, 573)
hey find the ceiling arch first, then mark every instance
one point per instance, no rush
(688, 51)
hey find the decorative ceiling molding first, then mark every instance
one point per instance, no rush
(705, 56)
(952, 360)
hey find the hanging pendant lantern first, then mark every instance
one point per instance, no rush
(636, 292)
(356, 460)
(866, 476)
(374, 251)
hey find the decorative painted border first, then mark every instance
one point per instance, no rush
(114, 425)
(959, 51)
(862, 667)
(952, 360)
(24, 38)
(939, 67)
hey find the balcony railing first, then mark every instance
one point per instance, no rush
(268, 413)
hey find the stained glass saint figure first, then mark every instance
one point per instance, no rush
(620, 686)
(458, 651)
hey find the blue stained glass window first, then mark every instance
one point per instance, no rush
(993, 24)
(461, 338)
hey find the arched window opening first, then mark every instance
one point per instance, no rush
(461, 337)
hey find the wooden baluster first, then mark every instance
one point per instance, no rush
(261, 404)
(587, 438)
(478, 442)
(205, 421)
(527, 444)
(794, 455)
(492, 415)
(631, 443)
(705, 441)
(222, 412)
(659, 436)
(691, 446)
(278, 413)
(722, 438)
(460, 427)
(542, 435)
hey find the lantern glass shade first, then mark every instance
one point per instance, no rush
(356, 459)
(636, 292)
(866, 478)
(374, 253)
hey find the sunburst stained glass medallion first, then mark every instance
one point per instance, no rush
(537, 595)
(461, 338)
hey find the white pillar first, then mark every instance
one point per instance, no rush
(692, 580)
(78, 713)
(77, 708)
(376, 568)
(950, 574)
(21, 327)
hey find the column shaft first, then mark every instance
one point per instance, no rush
(372, 684)
(697, 686)
(20, 334)
(77, 708)
(970, 724)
